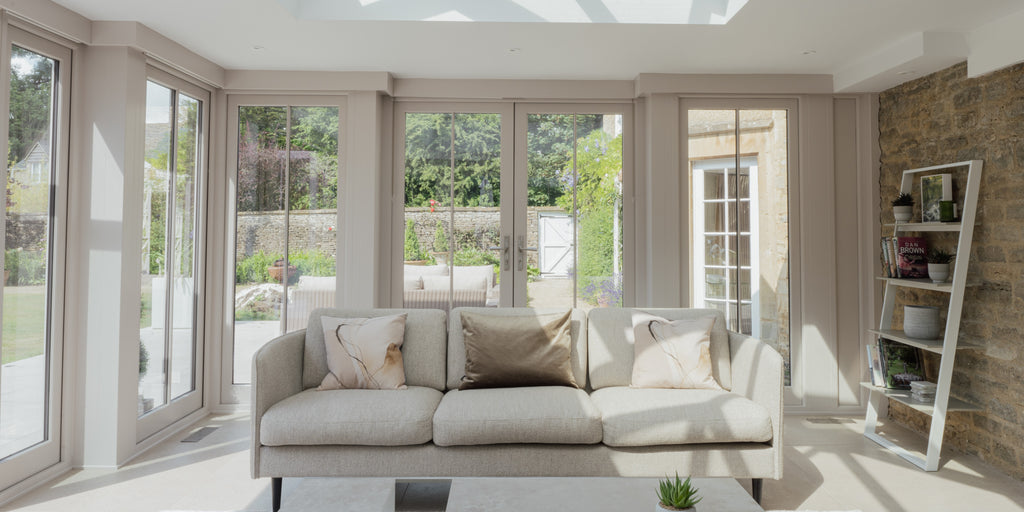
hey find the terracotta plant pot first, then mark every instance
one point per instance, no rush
(276, 272)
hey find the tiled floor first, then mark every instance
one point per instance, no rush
(829, 466)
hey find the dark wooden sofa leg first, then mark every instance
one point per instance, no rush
(275, 493)
(756, 486)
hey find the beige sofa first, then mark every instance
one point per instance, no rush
(434, 430)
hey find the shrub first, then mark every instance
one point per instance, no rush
(470, 256)
(253, 269)
(440, 239)
(27, 267)
(312, 263)
(413, 252)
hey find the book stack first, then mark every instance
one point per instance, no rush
(923, 391)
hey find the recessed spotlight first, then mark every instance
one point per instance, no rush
(809, 52)
(256, 47)
(514, 50)
(907, 72)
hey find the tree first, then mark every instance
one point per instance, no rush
(30, 101)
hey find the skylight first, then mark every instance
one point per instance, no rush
(680, 12)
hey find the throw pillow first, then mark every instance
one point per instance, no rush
(364, 353)
(514, 351)
(669, 354)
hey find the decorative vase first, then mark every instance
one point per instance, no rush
(665, 508)
(921, 322)
(938, 272)
(903, 213)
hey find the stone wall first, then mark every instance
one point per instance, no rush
(309, 230)
(315, 229)
(26, 230)
(942, 118)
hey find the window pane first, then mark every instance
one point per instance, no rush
(154, 308)
(183, 336)
(756, 247)
(766, 137)
(27, 258)
(260, 232)
(428, 200)
(313, 212)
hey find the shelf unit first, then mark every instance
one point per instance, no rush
(945, 346)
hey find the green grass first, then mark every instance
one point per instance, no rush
(24, 322)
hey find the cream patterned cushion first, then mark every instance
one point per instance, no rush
(364, 353)
(672, 354)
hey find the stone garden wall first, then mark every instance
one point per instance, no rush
(25, 230)
(946, 117)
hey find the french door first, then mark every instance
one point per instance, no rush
(512, 205)
(31, 376)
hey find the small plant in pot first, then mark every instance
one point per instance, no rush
(440, 244)
(938, 265)
(676, 494)
(903, 207)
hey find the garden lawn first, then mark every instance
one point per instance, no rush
(24, 321)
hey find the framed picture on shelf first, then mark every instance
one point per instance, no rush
(935, 189)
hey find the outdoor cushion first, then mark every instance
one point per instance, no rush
(647, 417)
(544, 414)
(457, 282)
(610, 344)
(367, 417)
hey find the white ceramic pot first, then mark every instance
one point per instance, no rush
(921, 322)
(938, 272)
(902, 213)
(660, 508)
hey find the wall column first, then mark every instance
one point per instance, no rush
(103, 298)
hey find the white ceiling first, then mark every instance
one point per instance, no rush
(858, 41)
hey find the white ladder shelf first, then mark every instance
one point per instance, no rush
(948, 345)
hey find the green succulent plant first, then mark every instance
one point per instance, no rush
(903, 199)
(677, 494)
(939, 256)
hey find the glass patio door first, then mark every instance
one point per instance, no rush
(285, 186)
(571, 177)
(31, 375)
(170, 319)
(510, 205)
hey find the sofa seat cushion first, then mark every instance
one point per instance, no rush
(368, 417)
(541, 414)
(648, 417)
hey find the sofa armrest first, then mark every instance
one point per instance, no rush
(757, 373)
(276, 375)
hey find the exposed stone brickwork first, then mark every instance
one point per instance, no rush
(946, 117)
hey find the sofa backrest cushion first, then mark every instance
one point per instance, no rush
(423, 351)
(470, 273)
(457, 282)
(457, 344)
(610, 344)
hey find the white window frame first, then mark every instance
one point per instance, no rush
(54, 451)
(699, 267)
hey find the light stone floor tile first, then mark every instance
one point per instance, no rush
(827, 467)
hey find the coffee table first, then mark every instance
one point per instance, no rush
(590, 494)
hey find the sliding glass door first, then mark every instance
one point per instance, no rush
(174, 169)
(31, 376)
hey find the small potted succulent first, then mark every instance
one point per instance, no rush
(902, 207)
(676, 494)
(938, 265)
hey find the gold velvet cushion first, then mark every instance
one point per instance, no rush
(515, 351)
(364, 353)
(672, 354)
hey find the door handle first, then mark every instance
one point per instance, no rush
(506, 249)
(521, 245)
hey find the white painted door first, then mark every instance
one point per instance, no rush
(555, 233)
